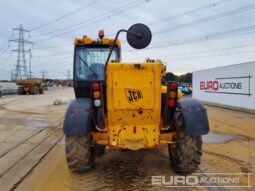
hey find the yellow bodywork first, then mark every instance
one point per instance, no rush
(134, 93)
(87, 40)
(133, 106)
(133, 119)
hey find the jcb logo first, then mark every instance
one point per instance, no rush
(133, 95)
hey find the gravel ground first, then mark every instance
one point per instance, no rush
(32, 150)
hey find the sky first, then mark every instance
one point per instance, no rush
(187, 35)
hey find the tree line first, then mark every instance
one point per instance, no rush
(184, 78)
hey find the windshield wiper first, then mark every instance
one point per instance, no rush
(87, 65)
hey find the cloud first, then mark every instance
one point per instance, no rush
(105, 14)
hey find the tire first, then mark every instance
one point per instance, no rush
(32, 91)
(99, 150)
(20, 91)
(36, 90)
(41, 90)
(185, 157)
(79, 153)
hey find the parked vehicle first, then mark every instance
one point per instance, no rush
(126, 106)
(31, 86)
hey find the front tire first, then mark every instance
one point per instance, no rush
(185, 156)
(20, 91)
(79, 153)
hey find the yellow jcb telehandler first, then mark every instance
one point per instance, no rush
(126, 106)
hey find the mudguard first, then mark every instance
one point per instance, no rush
(195, 116)
(78, 117)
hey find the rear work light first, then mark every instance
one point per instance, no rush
(96, 86)
(97, 102)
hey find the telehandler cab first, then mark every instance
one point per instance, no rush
(126, 106)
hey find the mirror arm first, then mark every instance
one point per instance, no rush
(114, 43)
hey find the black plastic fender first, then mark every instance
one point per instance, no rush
(195, 116)
(78, 117)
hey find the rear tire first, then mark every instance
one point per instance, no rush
(41, 91)
(79, 153)
(32, 90)
(186, 156)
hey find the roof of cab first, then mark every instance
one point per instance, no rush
(87, 40)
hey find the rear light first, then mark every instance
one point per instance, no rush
(171, 103)
(96, 86)
(173, 86)
(172, 95)
(97, 102)
(96, 94)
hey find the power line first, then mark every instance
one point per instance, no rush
(162, 20)
(190, 12)
(211, 36)
(53, 58)
(4, 46)
(39, 64)
(54, 46)
(207, 19)
(53, 55)
(188, 58)
(4, 50)
(6, 62)
(207, 56)
(214, 50)
(93, 21)
(64, 16)
(213, 55)
(201, 38)
(202, 52)
(88, 20)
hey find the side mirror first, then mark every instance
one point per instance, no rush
(139, 36)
